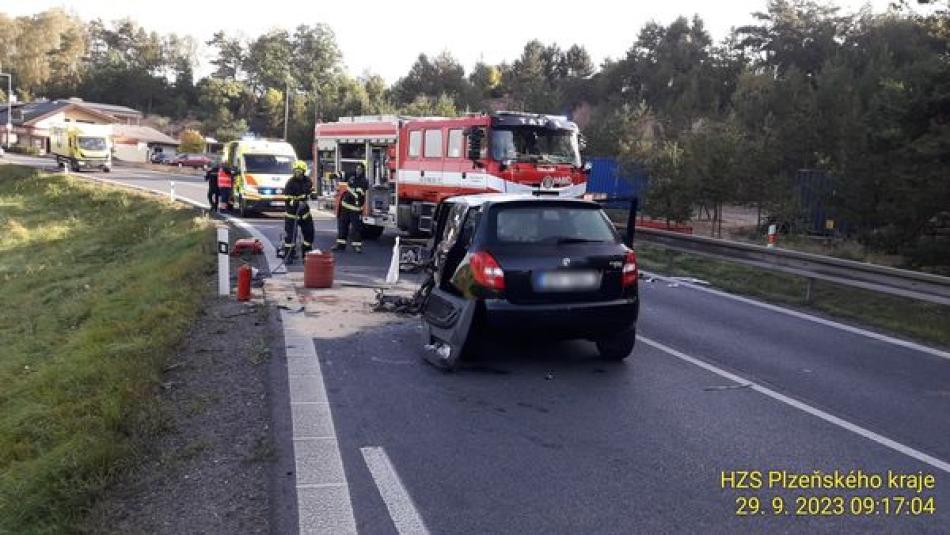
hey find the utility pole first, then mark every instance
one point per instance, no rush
(9, 125)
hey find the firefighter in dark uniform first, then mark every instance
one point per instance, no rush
(296, 191)
(350, 211)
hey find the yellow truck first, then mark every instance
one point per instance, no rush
(260, 168)
(82, 146)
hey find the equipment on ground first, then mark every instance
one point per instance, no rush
(318, 268)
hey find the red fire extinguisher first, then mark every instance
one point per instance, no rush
(244, 282)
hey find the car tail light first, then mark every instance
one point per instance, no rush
(629, 273)
(487, 272)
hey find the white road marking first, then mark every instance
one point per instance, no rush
(808, 317)
(401, 509)
(804, 407)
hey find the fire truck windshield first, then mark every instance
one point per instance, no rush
(534, 144)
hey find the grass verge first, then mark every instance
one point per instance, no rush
(97, 287)
(926, 322)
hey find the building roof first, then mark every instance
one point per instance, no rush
(145, 134)
(25, 113)
(112, 109)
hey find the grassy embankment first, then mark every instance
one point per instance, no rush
(97, 287)
(926, 322)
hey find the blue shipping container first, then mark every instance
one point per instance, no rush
(620, 184)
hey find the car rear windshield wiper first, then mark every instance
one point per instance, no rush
(577, 240)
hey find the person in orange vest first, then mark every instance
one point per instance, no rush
(224, 188)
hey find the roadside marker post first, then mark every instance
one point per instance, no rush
(773, 236)
(224, 275)
(171, 190)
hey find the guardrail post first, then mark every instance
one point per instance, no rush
(65, 168)
(224, 270)
(809, 290)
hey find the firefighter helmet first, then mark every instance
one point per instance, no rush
(300, 165)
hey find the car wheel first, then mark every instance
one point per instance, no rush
(618, 346)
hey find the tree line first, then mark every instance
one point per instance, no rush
(862, 97)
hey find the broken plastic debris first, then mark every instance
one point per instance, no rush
(440, 349)
(691, 280)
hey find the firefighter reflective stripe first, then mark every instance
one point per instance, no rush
(305, 215)
(349, 206)
(338, 240)
(307, 244)
(288, 245)
(356, 244)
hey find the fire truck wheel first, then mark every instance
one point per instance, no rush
(372, 232)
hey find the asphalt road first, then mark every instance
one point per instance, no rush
(547, 438)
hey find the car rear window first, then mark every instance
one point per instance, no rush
(551, 224)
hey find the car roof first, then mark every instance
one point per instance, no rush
(479, 199)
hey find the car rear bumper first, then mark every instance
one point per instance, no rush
(563, 320)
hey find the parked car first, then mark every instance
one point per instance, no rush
(197, 161)
(160, 158)
(552, 267)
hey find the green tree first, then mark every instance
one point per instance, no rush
(430, 78)
(191, 141)
(230, 55)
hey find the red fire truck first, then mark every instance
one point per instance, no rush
(412, 163)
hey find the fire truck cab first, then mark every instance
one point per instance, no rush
(412, 163)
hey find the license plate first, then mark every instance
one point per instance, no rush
(566, 281)
(277, 203)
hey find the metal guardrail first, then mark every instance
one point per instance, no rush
(883, 279)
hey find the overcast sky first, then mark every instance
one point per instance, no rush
(385, 37)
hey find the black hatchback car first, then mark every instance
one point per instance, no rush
(550, 267)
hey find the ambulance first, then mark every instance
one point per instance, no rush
(260, 169)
